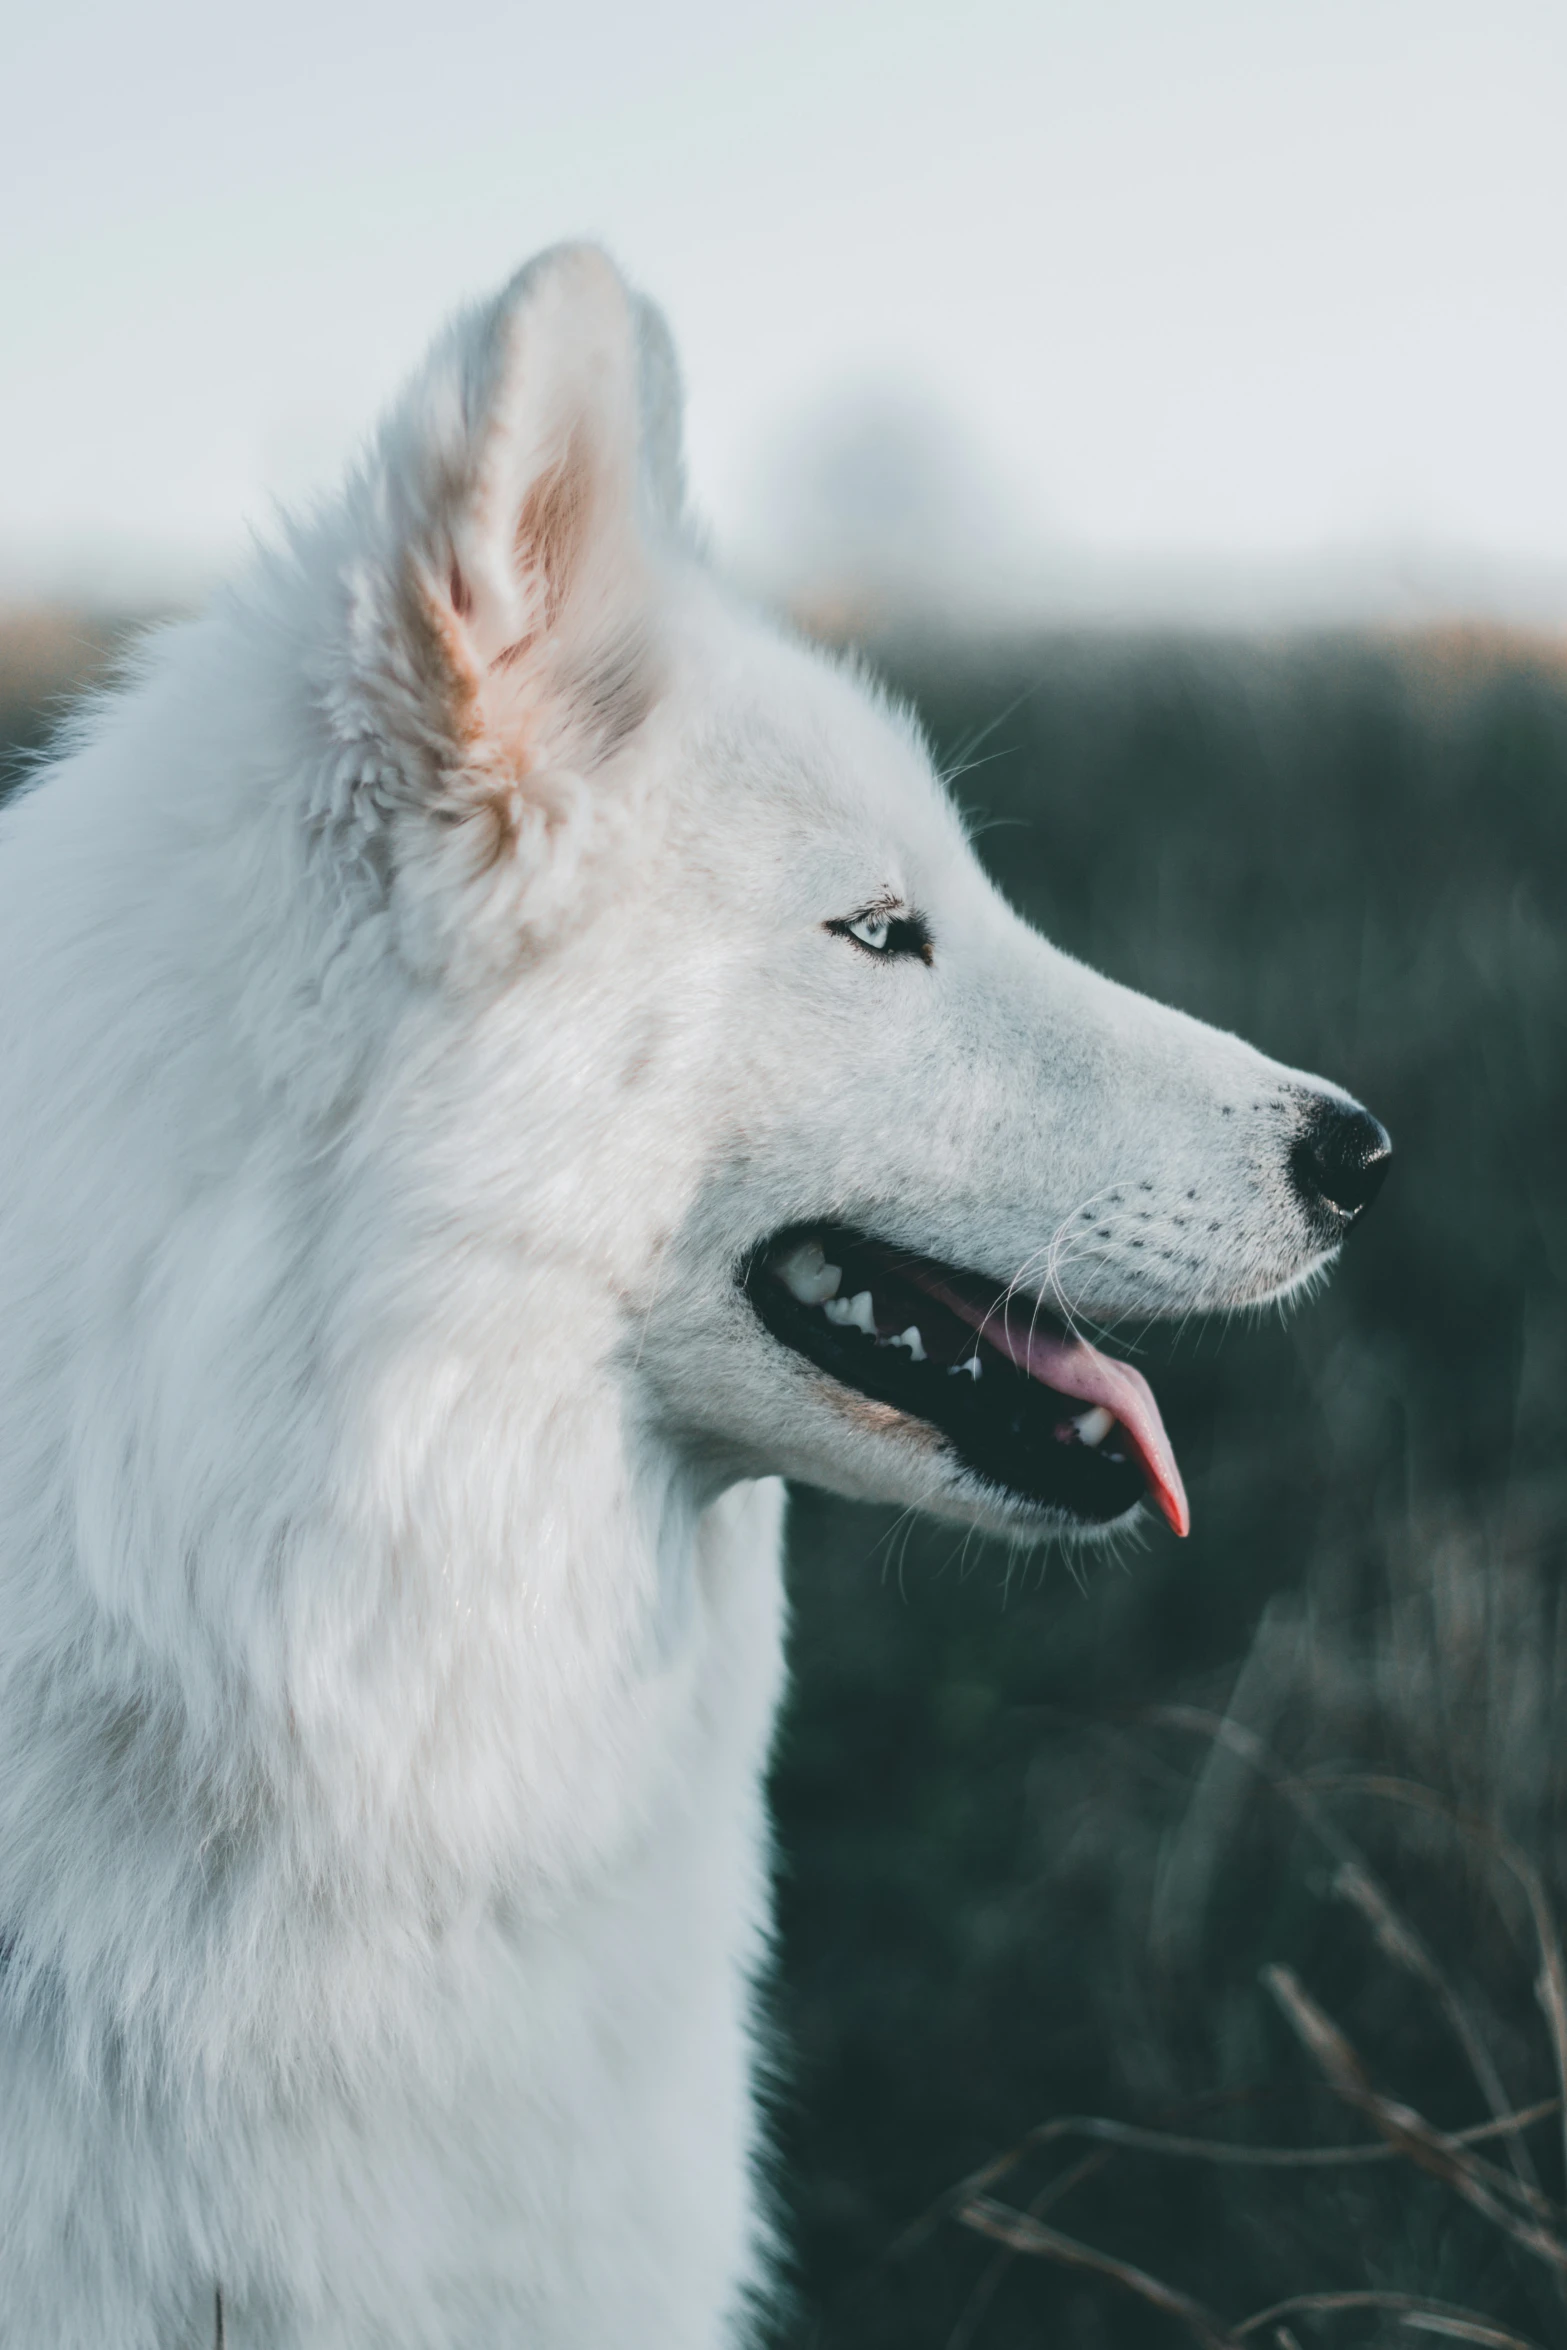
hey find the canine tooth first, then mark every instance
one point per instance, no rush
(1094, 1426)
(853, 1313)
(913, 1341)
(806, 1274)
(973, 1366)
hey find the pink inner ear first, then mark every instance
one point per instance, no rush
(553, 525)
(555, 673)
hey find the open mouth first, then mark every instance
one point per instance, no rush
(1021, 1400)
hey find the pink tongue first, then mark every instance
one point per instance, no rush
(1072, 1367)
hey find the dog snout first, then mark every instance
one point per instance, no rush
(1340, 1158)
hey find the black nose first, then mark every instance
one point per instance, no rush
(1340, 1158)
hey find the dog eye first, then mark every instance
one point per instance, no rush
(884, 932)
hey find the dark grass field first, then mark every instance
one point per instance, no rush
(1040, 1836)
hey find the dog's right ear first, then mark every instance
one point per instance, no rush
(503, 638)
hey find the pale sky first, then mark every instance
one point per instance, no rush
(1201, 281)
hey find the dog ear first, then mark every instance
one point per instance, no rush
(503, 632)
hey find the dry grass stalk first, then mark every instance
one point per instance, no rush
(1396, 1936)
(1397, 1941)
(1425, 2317)
(973, 2313)
(1406, 2131)
(1127, 2137)
(1020, 2233)
(1552, 1986)
(1134, 2139)
(1511, 2202)
(1130, 2137)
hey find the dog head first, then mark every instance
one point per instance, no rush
(734, 1069)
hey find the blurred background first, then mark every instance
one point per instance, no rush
(1168, 399)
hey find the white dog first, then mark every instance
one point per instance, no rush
(503, 1058)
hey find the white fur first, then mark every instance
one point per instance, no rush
(416, 1001)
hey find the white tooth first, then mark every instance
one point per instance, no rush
(853, 1313)
(913, 1341)
(1094, 1426)
(973, 1367)
(806, 1274)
